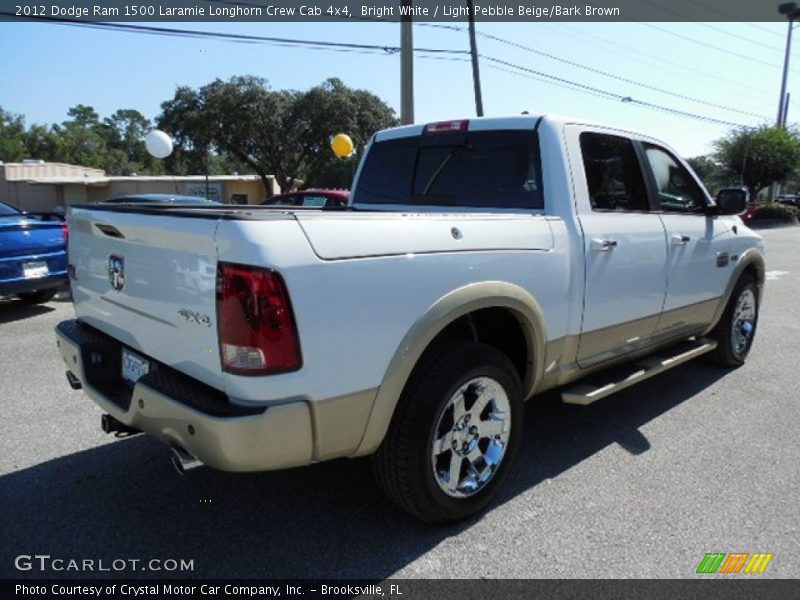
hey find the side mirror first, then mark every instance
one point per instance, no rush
(732, 201)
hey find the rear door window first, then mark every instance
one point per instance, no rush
(483, 169)
(613, 173)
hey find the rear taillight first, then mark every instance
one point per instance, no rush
(65, 231)
(257, 332)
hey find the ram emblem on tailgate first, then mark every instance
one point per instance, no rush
(116, 271)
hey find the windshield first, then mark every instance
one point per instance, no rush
(484, 169)
(8, 211)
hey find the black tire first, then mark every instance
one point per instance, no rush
(730, 352)
(404, 465)
(38, 297)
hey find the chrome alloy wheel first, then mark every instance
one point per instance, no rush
(471, 437)
(744, 316)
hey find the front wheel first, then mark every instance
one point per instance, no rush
(737, 327)
(454, 434)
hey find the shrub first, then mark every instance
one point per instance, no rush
(774, 210)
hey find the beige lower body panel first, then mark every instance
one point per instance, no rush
(339, 423)
(288, 434)
(604, 344)
(600, 349)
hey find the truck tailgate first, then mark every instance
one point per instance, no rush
(149, 280)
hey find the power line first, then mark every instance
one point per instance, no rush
(712, 46)
(684, 17)
(632, 53)
(614, 95)
(740, 37)
(599, 71)
(728, 15)
(591, 69)
(549, 82)
(738, 84)
(235, 37)
(618, 77)
(694, 40)
(385, 50)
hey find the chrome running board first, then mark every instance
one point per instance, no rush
(628, 375)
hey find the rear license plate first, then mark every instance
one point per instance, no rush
(35, 269)
(133, 367)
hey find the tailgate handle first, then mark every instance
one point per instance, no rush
(110, 230)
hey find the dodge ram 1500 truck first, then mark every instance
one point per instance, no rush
(478, 263)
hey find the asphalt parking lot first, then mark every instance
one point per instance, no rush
(641, 484)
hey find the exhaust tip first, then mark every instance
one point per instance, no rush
(73, 380)
(183, 461)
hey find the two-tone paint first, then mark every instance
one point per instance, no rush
(371, 290)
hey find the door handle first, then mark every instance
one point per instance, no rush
(603, 245)
(680, 240)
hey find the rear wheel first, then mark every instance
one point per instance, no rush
(454, 434)
(736, 329)
(38, 297)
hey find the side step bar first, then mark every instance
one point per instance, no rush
(586, 393)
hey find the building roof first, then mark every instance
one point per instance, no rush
(62, 173)
(25, 171)
(211, 178)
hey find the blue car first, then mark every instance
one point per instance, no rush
(33, 255)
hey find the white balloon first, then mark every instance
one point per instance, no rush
(158, 143)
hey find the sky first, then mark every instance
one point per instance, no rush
(728, 67)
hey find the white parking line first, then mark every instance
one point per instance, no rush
(772, 275)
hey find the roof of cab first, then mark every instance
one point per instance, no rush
(475, 124)
(524, 121)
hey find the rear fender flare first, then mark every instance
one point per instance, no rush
(446, 310)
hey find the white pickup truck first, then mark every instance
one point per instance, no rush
(478, 264)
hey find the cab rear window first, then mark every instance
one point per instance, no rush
(483, 169)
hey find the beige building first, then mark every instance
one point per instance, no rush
(42, 186)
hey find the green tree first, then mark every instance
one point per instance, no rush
(282, 133)
(81, 141)
(181, 117)
(759, 157)
(124, 132)
(42, 142)
(12, 137)
(713, 175)
(321, 113)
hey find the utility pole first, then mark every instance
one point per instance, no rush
(476, 73)
(406, 69)
(792, 12)
(208, 153)
(786, 108)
